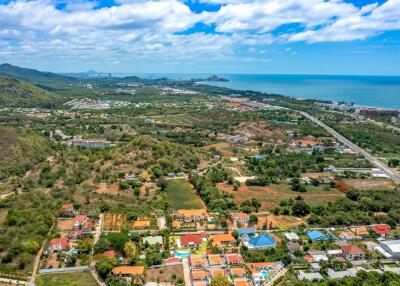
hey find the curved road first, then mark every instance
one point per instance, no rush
(385, 169)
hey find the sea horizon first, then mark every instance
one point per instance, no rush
(365, 90)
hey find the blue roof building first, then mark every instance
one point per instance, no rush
(260, 242)
(317, 235)
(245, 231)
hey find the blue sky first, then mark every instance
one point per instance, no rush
(203, 36)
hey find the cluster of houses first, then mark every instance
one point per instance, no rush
(73, 227)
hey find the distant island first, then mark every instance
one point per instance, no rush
(213, 78)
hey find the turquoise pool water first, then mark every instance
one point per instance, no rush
(181, 254)
(265, 274)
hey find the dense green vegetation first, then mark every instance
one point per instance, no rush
(26, 224)
(17, 93)
(20, 151)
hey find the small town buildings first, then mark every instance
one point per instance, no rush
(301, 275)
(132, 274)
(316, 235)
(238, 272)
(192, 240)
(335, 253)
(291, 236)
(316, 256)
(381, 229)
(153, 240)
(293, 246)
(360, 231)
(245, 231)
(141, 224)
(241, 282)
(260, 271)
(218, 271)
(389, 248)
(262, 241)
(199, 275)
(58, 244)
(75, 233)
(236, 139)
(234, 258)
(216, 260)
(197, 215)
(197, 261)
(79, 221)
(225, 240)
(353, 252)
(67, 209)
(347, 235)
(240, 217)
(351, 272)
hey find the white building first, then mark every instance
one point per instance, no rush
(389, 248)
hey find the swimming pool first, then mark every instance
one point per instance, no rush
(181, 254)
(265, 274)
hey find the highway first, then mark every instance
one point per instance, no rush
(385, 169)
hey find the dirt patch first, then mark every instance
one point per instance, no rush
(283, 222)
(163, 274)
(65, 224)
(370, 184)
(114, 222)
(104, 188)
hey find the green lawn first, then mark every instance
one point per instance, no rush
(180, 195)
(66, 279)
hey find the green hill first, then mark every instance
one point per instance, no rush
(20, 151)
(22, 94)
(47, 80)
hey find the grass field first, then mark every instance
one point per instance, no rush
(271, 196)
(67, 279)
(180, 195)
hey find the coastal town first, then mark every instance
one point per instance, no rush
(181, 183)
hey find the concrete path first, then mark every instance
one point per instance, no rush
(186, 271)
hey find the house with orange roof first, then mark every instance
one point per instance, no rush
(198, 261)
(141, 224)
(238, 272)
(216, 260)
(196, 215)
(347, 235)
(234, 258)
(132, 274)
(241, 282)
(360, 231)
(225, 240)
(79, 221)
(176, 224)
(199, 275)
(218, 271)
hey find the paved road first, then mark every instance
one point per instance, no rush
(186, 271)
(278, 275)
(385, 169)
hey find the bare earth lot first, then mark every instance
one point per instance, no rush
(163, 274)
(271, 196)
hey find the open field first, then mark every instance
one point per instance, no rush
(163, 274)
(370, 184)
(175, 119)
(271, 196)
(180, 195)
(113, 222)
(70, 279)
(283, 221)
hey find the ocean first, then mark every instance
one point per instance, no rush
(373, 91)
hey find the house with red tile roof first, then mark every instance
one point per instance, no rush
(199, 275)
(216, 260)
(58, 244)
(192, 240)
(218, 271)
(224, 240)
(198, 261)
(381, 229)
(67, 209)
(353, 252)
(238, 272)
(75, 233)
(109, 254)
(234, 258)
(79, 221)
